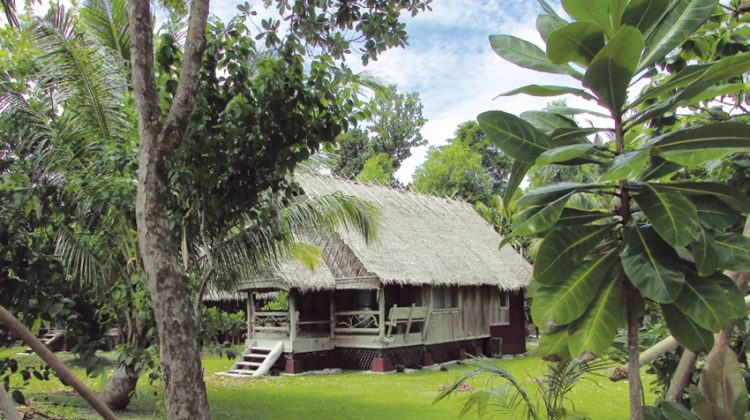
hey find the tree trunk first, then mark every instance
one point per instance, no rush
(682, 375)
(120, 387)
(44, 353)
(182, 374)
(634, 373)
(7, 408)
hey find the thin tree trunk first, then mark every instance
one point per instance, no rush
(7, 408)
(682, 375)
(182, 374)
(634, 373)
(55, 363)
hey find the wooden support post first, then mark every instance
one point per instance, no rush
(381, 312)
(292, 317)
(250, 315)
(408, 323)
(427, 320)
(391, 322)
(333, 314)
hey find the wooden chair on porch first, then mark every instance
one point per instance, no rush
(407, 316)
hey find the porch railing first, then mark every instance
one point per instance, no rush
(364, 321)
(271, 322)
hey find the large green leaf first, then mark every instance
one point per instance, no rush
(673, 216)
(574, 135)
(689, 334)
(696, 145)
(517, 173)
(527, 55)
(548, 90)
(704, 253)
(683, 18)
(578, 42)
(542, 195)
(538, 219)
(563, 249)
(576, 217)
(554, 346)
(651, 264)
(625, 166)
(546, 24)
(562, 303)
(563, 153)
(566, 110)
(733, 251)
(711, 301)
(683, 78)
(726, 193)
(606, 14)
(595, 330)
(720, 71)
(610, 72)
(723, 384)
(658, 168)
(714, 214)
(547, 122)
(514, 136)
(644, 14)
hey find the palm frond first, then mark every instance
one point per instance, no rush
(92, 77)
(107, 22)
(78, 258)
(330, 212)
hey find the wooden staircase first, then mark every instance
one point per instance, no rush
(256, 360)
(48, 339)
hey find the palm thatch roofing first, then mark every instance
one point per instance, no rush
(421, 240)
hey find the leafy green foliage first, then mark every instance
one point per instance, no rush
(668, 239)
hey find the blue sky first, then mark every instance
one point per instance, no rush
(450, 63)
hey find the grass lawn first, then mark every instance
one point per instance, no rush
(348, 395)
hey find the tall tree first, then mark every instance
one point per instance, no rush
(311, 24)
(594, 268)
(393, 129)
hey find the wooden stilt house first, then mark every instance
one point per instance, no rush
(431, 288)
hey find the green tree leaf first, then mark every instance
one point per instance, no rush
(562, 303)
(605, 13)
(711, 301)
(727, 194)
(679, 80)
(651, 264)
(658, 168)
(554, 346)
(673, 216)
(547, 122)
(626, 165)
(546, 24)
(576, 217)
(595, 330)
(719, 71)
(696, 145)
(563, 153)
(548, 90)
(514, 136)
(704, 253)
(644, 14)
(723, 385)
(682, 19)
(527, 55)
(714, 214)
(538, 219)
(563, 249)
(733, 251)
(689, 334)
(610, 72)
(542, 195)
(578, 42)
(517, 173)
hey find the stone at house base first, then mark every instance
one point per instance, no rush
(293, 367)
(462, 354)
(382, 365)
(427, 359)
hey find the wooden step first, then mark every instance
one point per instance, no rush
(241, 372)
(254, 364)
(255, 356)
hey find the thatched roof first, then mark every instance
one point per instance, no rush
(423, 239)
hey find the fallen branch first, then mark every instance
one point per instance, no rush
(7, 408)
(65, 374)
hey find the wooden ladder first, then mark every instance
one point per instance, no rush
(50, 337)
(256, 360)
